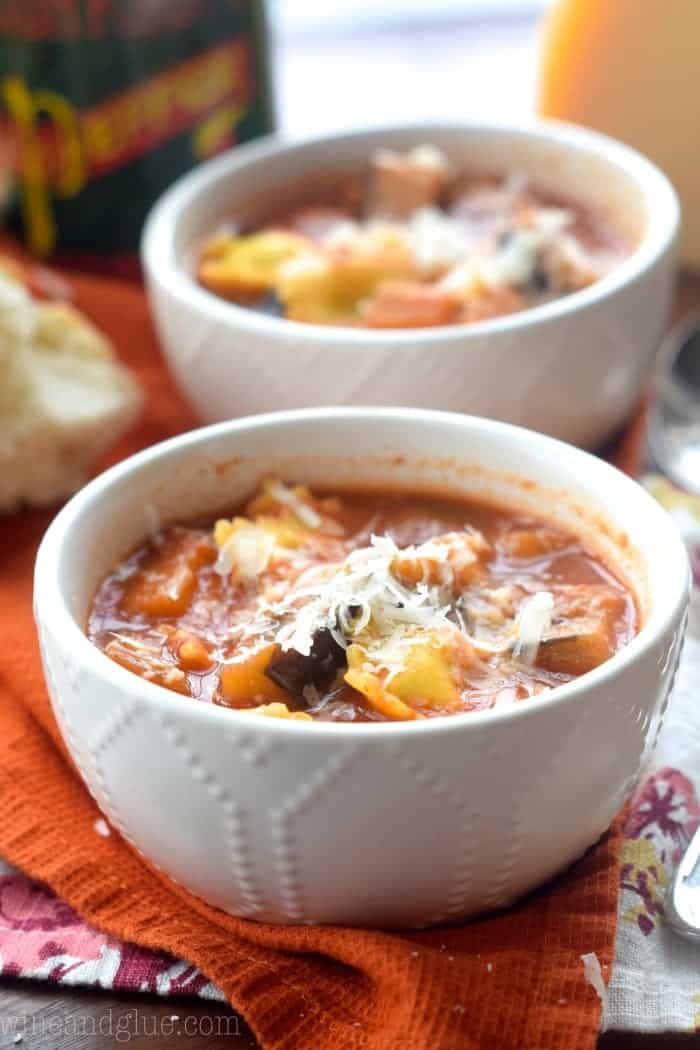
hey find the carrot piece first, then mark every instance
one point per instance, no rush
(191, 652)
(410, 304)
(163, 591)
(244, 681)
(165, 584)
(492, 302)
(378, 698)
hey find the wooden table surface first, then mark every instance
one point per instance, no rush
(92, 1020)
(53, 1018)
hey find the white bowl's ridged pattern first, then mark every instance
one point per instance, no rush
(386, 825)
(459, 888)
(516, 832)
(63, 693)
(668, 664)
(254, 749)
(125, 717)
(234, 820)
(282, 826)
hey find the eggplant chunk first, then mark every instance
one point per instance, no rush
(293, 671)
(582, 635)
(576, 653)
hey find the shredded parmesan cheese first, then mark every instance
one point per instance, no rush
(534, 620)
(246, 552)
(306, 514)
(361, 593)
(427, 156)
(435, 239)
(515, 263)
(594, 976)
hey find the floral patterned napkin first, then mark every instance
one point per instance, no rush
(41, 937)
(655, 983)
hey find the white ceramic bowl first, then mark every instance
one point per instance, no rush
(384, 824)
(573, 368)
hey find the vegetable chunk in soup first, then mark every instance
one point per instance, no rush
(411, 245)
(362, 607)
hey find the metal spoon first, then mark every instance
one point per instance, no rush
(673, 435)
(682, 905)
(673, 430)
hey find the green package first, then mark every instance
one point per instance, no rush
(106, 102)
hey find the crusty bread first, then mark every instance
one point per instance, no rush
(64, 398)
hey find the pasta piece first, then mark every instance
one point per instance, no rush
(279, 710)
(246, 267)
(329, 288)
(428, 677)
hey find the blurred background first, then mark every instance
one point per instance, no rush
(403, 59)
(107, 102)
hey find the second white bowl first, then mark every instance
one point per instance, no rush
(573, 368)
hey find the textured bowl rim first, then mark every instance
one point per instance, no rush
(163, 266)
(51, 604)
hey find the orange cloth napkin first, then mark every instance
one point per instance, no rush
(514, 980)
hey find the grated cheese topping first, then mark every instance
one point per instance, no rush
(593, 974)
(306, 514)
(363, 600)
(435, 239)
(247, 551)
(534, 621)
(428, 156)
(362, 595)
(382, 598)
(514, 264)
(438, 243)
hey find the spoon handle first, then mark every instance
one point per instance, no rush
(683, 897)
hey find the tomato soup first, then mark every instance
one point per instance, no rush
(412, 244)
(362, 607)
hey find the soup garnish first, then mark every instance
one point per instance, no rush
(362, 607)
